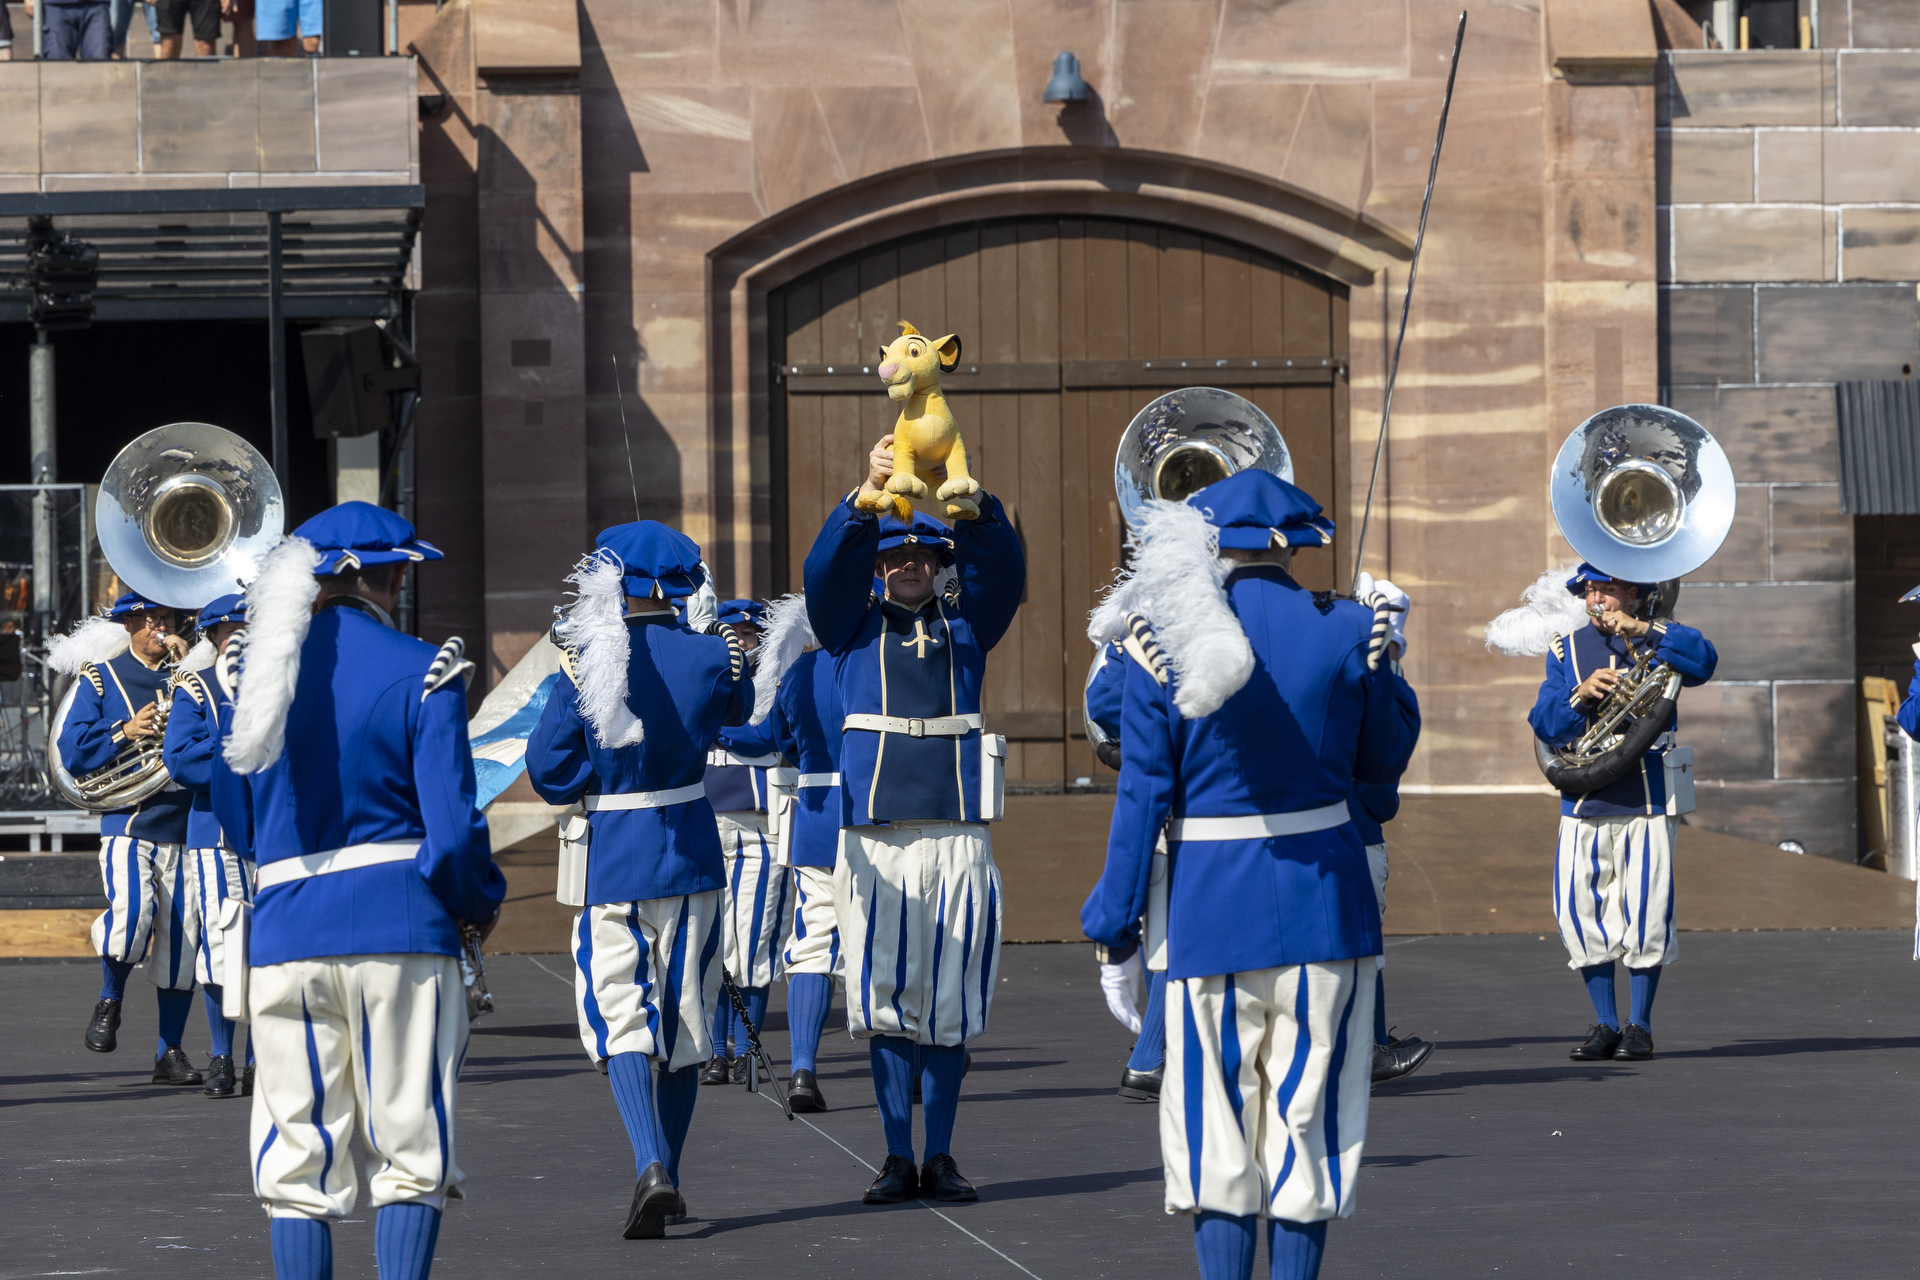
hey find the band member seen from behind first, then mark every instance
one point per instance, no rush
(628, 734)
(1613, 870)
(1250, 707)
(122, 662)
(756, 896)
(216, 873)
(915, 854)
(349, 766)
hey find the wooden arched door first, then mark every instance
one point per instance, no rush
(1068, 328)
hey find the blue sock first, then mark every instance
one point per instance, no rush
(809, 1001)
(113, 978)
(1224, 1242)
(1599, 980)
(893, 1059)
(678, 1091)
(940, 1072)
(174, 1008)
(219, 1028)
(722, 1021)
(302, 1249)
(631, 1075)
(1642, 984)
(403, 1240)
(1150, 1050)
(755, 998)
(1293, 1248)
(1380, 1036)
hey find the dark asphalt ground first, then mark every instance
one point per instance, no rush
(1774, 1135)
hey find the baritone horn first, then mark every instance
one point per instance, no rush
(1644, 494)
(183, 513)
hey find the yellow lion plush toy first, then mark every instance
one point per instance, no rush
(925, 436)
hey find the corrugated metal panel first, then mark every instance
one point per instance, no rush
(1879, 447)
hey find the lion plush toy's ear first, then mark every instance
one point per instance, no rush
(949, 349)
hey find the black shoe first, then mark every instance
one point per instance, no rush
(654, 1200)
(898, 1181)
(1142, 1086)
(803, 1091)
(220, 1080)
(1636, 1044)
(740, 1068)
(679, 1214)
(940, 1178)
(1397, 1058)
(1602, 1040)
(246, 1082)
(103, 1032)
(172, 1067)
(601, 1065)
(717, 1071)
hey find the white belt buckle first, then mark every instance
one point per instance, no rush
(916, 728)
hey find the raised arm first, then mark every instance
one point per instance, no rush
(455, 859)
(1555, 717)
(839, 575)
(90, 737)
(751, 739)
(992, 568)
(1389, 726)
(558, 766)
(1691, 653)
(1112, 912)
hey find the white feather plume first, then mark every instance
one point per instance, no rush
(1178, 583)
(786, 634)
(279, 611)
(1547, 609)
(92, 640)
(595, 628)
(200, 657)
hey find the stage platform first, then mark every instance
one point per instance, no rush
(1772, 1136)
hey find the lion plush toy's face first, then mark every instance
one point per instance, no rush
(913, 362)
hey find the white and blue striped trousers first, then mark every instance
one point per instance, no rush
(919, 911)
(813, 941)
(1263, 1111)
(125, 929)
(1613, 890)
(758, 899)
(646, 975)
(213, 876)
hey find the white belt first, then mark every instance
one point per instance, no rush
(720, 759)
(1258, 826)
(938, 727)
(819, 780)
(351, 858)
(646, 799)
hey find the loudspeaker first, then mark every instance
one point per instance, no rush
(344, 396)
(351, 29)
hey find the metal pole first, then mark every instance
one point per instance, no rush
(277, 349)
(41, 468)
(39, 29)
(393, 27)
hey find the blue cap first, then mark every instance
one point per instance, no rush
(925, 531)
(1255, 510)
(132, 602)
(1577, 584)
(229, 608)
(356, 534)
(735, 612)
(654, 559)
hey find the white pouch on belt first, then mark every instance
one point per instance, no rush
(993, 777)
(570, 886)
(1678, 762)
(781, 785)
(1153, 939)
(236, 917)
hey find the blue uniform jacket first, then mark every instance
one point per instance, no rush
(367, 760)
(1373, 805)
(1104, 687)
(1909, 713)
(1310, 722)
(683, 687)
(894, 661)
(108, 695)
(190, 748)
(742, 788)
(1557, 718)
(806, 720)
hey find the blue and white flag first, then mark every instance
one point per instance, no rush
(499, 731)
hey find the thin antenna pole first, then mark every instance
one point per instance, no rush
(1413, 270)
(625, 439)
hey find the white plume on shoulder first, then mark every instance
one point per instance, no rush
(279, 611)
(595, 628)
(787, 634)
(1547, 610)
(92, 640)
(1178, 583)
(200, 657)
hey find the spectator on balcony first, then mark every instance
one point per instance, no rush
(75, 29)
(173, 26)
(285, 28)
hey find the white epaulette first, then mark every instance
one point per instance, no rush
(1140, 643)
(952, 593)
(91, 674)
(1559, 646)
(194, 688)
(449, 664)
(736, 652)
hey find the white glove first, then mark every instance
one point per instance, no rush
(1366, 584)
(1126, 989)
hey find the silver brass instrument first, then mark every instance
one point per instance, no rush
(183, 513)
(1644, 494)
(473, 973)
